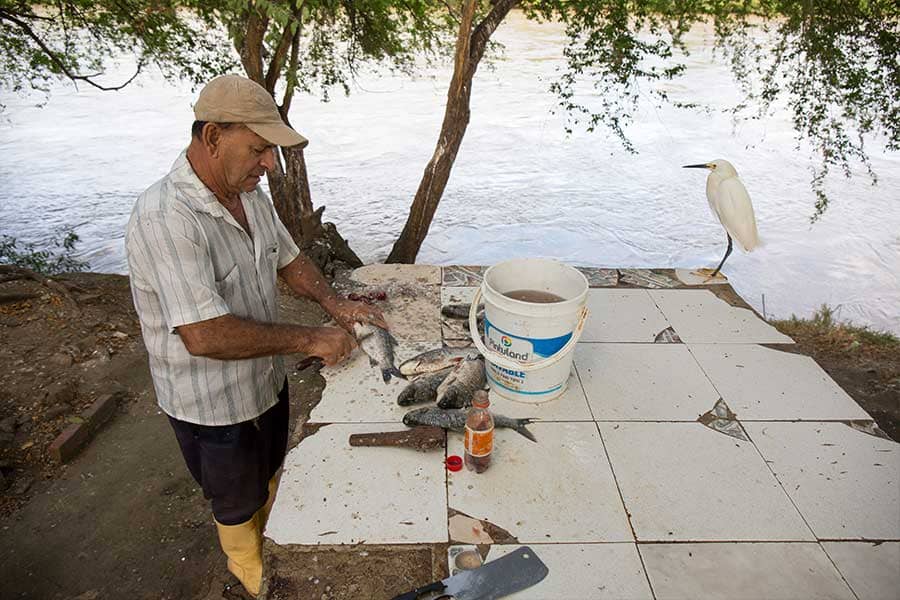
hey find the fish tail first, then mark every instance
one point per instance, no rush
(520, 427)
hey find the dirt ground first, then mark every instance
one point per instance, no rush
(124, 519)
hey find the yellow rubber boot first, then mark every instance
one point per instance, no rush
(263, 513)
(242, 545)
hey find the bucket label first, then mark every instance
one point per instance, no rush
(511, 380)
(522, 349)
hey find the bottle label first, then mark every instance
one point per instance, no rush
(479, 443)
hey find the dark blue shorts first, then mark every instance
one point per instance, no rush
(234, 463)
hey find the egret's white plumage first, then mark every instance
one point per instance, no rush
(730, 203)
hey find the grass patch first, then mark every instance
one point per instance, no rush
(827, 334)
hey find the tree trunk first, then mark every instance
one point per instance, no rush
(470, 46)
(434, 180)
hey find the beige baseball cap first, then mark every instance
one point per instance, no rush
(236, 99)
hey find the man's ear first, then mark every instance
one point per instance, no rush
(211, 136)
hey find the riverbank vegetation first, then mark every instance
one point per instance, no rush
(832, 63)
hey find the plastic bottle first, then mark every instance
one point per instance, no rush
(479, 434)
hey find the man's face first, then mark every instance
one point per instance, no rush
(244, 158)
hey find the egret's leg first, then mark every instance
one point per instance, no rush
(727, 252)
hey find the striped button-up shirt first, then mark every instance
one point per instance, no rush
(190, 261)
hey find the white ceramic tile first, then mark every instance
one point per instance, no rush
(457, 295)
(846, 483)
(685, 482)
(332, 493)
(559, 489)
(584, 572)
(872, 570)
(742, 572)
(570, 406)
(763, 384)
(698, 316)
(643, 382)
(379, 274)
(413, 313)
(355, 392)
(622, 315)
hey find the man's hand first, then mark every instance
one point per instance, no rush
(348, 312)
(331, 344)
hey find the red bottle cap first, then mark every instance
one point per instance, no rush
(454, 463)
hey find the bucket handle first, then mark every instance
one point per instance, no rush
(512, 365)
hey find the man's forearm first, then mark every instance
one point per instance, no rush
(232, 338)
(305, 279)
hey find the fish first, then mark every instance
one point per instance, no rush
(378, 344)
(454, 419)
(458, 388)
(423, 388)
(433, 360)
(461, 311)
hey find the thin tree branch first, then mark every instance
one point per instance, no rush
(450, 10)
(292, 69)
(251, 50)
(284, 44)
(59, 63)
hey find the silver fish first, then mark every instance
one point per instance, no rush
(459, 387)
(423, 388)
(433, 360)
(378, 344)
(455, 420)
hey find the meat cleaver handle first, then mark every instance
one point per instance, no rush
(437, 586)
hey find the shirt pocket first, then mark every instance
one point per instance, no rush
(228, 287)
(270, 262)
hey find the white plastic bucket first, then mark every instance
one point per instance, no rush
(528, 346)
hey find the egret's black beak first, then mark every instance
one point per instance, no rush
(703, 166)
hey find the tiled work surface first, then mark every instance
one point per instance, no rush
(625, 494)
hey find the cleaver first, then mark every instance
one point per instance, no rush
(498, 578)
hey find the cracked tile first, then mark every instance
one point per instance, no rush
(721, 419)
(646, 278)
(379, 274)
(667, 336)
(327, 496)
(643, 382)
(742, 572)
(582, 571)
(560, 489)
(463, 276)
(700, 317)
(570, 406)
(466, 530)
(684, 482)
(688, 277)
(872, 570)
(759, 383)
(600, 277)
(355, 393)
(618, 315)
(845, 483)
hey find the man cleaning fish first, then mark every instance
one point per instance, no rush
(205, 248)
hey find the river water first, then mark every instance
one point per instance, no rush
(520, 185)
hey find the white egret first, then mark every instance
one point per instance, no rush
(730, 203)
